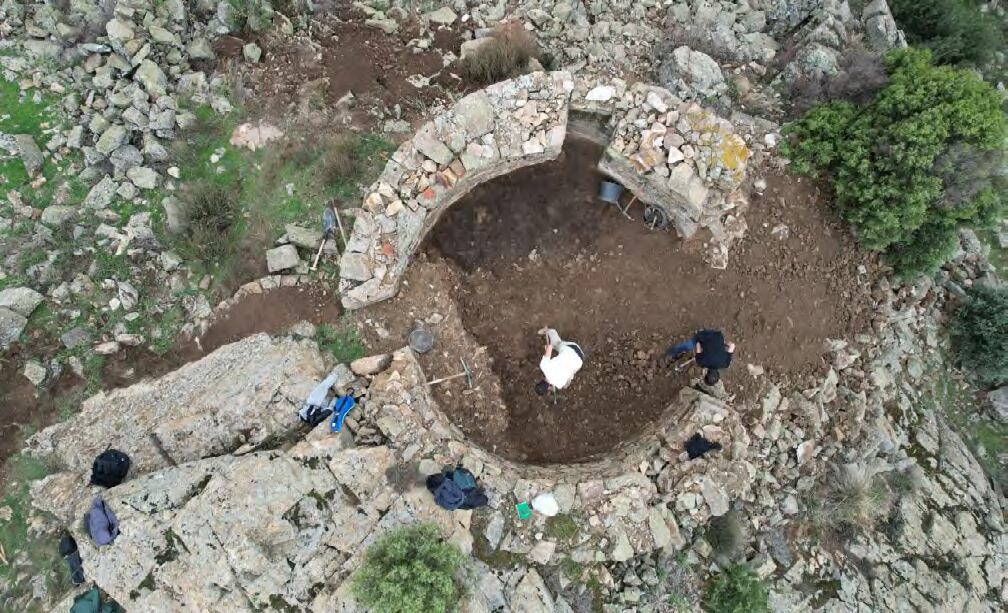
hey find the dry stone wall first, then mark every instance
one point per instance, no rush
(284, 524)
(675, 155)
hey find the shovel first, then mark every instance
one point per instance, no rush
(329, 221)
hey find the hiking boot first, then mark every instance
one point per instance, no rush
(68, 550)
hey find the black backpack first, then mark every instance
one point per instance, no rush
(109, 468)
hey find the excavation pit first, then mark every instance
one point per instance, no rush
(535, 247)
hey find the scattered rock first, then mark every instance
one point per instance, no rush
(107, 348)
(75, 337)
(11, 326)
(35, 372)
(31, 155)
(21, 300)
(371, 365)
(303, 237)
(152, 78)
(111, 139)
(253, 136)
(444, 16)
(143, 177)
(56, 215)
(281, 258)
(252, 53)
(998, 402)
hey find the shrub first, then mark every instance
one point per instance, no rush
(956, 31)
(979, 334)
(210, 210)
(862, 74)
(854, 497)
(725, 534)
(737, 590)
(505, 56)
(410, 570)
(883, 156)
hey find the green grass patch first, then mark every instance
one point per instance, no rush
(29, 555)
(20, 113)
(243, 198)
(986, 438)
(342, 341)
(562, 528)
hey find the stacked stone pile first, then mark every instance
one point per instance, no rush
(681, 157)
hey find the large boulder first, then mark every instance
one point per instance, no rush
(690, 71)
(240, 396)
(998, 403)
(265, 531)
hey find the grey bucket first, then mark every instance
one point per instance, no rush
(610, 192)
(421, 340)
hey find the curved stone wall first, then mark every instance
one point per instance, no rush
(632, 499)
(671, 154)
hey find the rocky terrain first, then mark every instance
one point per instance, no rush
(113, 110)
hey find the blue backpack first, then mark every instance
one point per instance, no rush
(463, 478)
(456, 489)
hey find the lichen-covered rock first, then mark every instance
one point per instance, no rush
(240, 396)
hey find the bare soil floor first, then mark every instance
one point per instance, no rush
(345, 60)
(535, 248)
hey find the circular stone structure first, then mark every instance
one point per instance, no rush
(677, 156)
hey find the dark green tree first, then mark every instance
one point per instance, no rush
(903, 166)
(979, 333)
(956, 31)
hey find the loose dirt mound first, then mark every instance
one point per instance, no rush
(344, 56)
(536, 248)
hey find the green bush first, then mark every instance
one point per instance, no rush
(903, 166)
(737, 590)
(212, 212)
(410, 570)
(979, 333)
(956, 31)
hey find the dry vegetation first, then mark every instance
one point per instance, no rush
(505, 55)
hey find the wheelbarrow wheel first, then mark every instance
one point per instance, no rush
(655, 217)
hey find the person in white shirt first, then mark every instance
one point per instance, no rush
(560, 362)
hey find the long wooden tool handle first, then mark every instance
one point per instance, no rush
(443, 379)
(319, 254)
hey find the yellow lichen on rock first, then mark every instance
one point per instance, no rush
(734, 153)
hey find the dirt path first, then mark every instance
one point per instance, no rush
(536, 248)
(21, 405)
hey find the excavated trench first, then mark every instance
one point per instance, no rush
(537, 248)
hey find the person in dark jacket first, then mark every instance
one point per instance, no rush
(711, 350)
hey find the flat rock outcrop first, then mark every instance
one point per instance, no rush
(235, 399)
